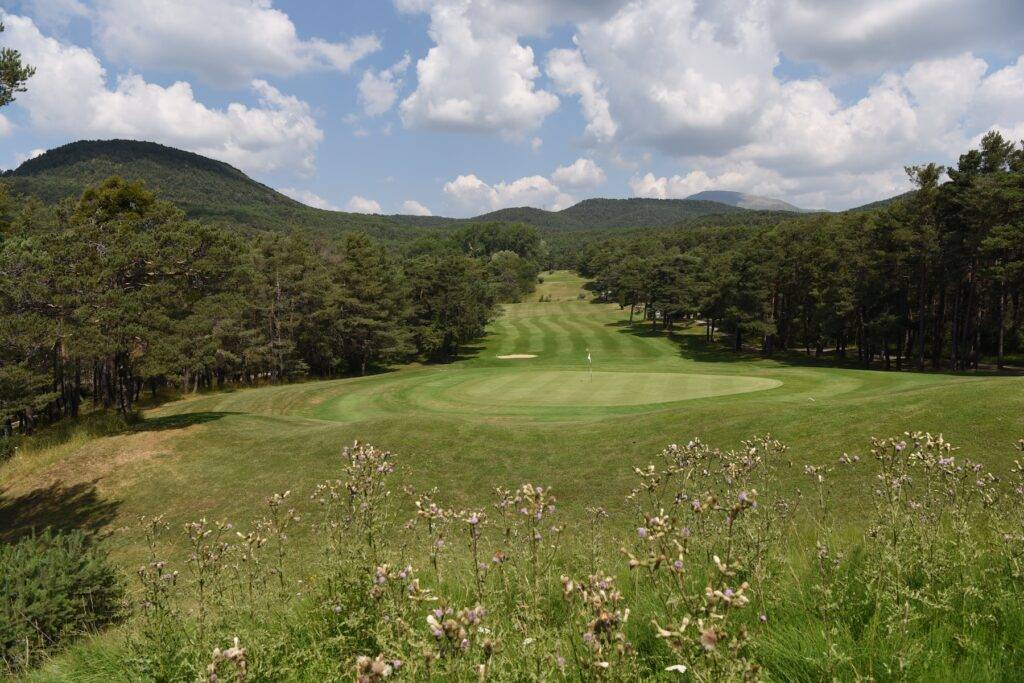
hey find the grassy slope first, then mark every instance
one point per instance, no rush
(455, 426)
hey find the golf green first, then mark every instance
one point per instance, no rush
(521, 391)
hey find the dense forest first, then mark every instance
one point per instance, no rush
(934, 279)
(119, 293)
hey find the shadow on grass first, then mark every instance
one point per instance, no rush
(465, 352)
(57, 507)
(179, 421)
(694, 347)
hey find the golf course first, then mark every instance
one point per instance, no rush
(523, 411)
(484, 421)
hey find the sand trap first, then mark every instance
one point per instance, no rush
(517, 356)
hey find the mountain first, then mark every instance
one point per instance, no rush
(596, 214)
(745, 201)
(202, 187)
(882, 203)
(217, 192)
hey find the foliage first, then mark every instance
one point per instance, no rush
(55, 586)
(120, 292)
(203, 188)
(13, 73)
(935, 279)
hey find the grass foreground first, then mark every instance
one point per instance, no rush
(855, 610)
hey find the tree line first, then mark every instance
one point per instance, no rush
(117, 293)
(934, 279)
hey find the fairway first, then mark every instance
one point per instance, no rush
(484, 421)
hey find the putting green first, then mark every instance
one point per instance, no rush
(574, 388)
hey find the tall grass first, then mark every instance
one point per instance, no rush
(721, 579)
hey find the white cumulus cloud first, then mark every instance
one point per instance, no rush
(411, 207)
(880, 34)
(227, 42)
(70, 94)
(378, 90)
(581, 174)
(477, 78)
(573, 77)
(362, 205)
(308, 198)
(472, 195)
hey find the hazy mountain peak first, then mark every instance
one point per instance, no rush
(745, 201)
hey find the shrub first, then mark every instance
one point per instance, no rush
(8, 446)
(55, 586)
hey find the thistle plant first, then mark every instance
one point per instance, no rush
(603, 609)
(233, 658)
(706, 563)
(248, 567)
(376, 669)
(473, 521)
(205, 563)
(437, 522)
(702, 499)
(274, 527)
(457, 635)
(707, 643)
(367, 499)
(158, 581)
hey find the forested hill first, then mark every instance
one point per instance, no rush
(746, 201)
(598, 214)
(204, 188)
(217, 192)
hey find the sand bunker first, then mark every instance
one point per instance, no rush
(517, 356)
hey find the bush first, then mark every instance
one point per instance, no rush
(55, 586)
(8, 447)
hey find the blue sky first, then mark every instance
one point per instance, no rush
(464, 106)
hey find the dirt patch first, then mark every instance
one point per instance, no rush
(517, 356)
(98, 459)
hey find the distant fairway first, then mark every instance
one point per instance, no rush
(482, 422)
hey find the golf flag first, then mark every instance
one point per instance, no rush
(590, 366)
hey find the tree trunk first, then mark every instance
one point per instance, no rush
(1000, 355)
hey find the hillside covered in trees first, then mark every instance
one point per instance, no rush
(934, 279)
(203, 188)
(217, 192)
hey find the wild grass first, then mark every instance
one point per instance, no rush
(712, 584)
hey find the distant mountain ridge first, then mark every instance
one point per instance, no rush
(746, 201)
(596, 214)
(215, 191)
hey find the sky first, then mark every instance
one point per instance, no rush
(459, 107)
